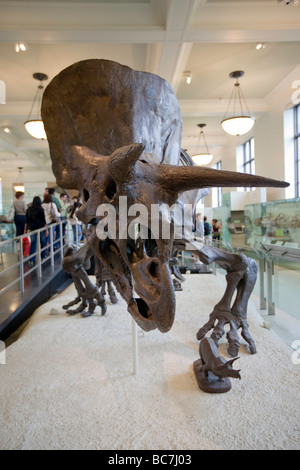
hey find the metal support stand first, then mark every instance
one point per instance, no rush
(262, 269)
(51, 245)
(270, 272)
(135, 358)
(39, 255)
(134, 328)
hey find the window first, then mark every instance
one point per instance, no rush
(216, 193)
(248, 157)
(246, 160)
(297, 149)
(292, 151)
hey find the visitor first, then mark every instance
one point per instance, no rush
(20, 207)
(215, 229)
(75, 223)
(207, 232)
(56, 201)
(64, 206)
(52, 216)
(52, 193)
(35, 219)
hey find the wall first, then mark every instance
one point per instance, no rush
(269, 149)
(269, 134)
(269, 138)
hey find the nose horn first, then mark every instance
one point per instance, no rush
(123, 160)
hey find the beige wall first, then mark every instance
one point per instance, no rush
(268, 134)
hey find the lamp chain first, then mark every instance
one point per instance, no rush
(204, 141)
(38, 98)
(236, 95)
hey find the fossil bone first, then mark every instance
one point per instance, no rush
(116, 132)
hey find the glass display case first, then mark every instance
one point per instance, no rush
(276, 222)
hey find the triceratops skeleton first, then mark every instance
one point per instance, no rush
(114, 132)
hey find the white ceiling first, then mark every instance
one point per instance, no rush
(210, 38)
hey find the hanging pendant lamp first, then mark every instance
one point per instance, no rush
(240, 122)
(34, 124)
(204, 158)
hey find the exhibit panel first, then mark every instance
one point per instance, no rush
(274, 222)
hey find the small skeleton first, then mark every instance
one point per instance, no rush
(212, 371)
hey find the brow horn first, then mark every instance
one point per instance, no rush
(123, 160)
(184, 178)
(231, 361)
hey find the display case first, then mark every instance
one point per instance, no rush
(276, 222)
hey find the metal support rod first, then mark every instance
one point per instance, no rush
(51, 246)
(68, 225)
(135, 358)
(270, 272)
(38, 235)
(61, 240)
(76, 235)
(262, 269)
(21, 265)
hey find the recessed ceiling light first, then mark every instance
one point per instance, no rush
(260, 45)
(6, 130)
(188, 77)
(20, 47)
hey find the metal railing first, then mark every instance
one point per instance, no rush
(21, 265)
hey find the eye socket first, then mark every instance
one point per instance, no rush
(86, 195)
(111, 189)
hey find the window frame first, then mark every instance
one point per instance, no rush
(217, 189)
(248, 159)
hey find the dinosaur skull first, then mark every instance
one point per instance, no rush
(139, 265)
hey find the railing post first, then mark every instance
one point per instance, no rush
(262, 269)
(51, 245)
(61, 239)
(270, 272)
(68, 225)
(21, 265)
(39, 254)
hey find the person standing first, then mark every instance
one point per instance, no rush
(35, 219)
(20, 208)
(55, 200)
(52, 193)
(64, 206)
(207, 232)
(51, 213)
(215, 229)
(75, 223)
